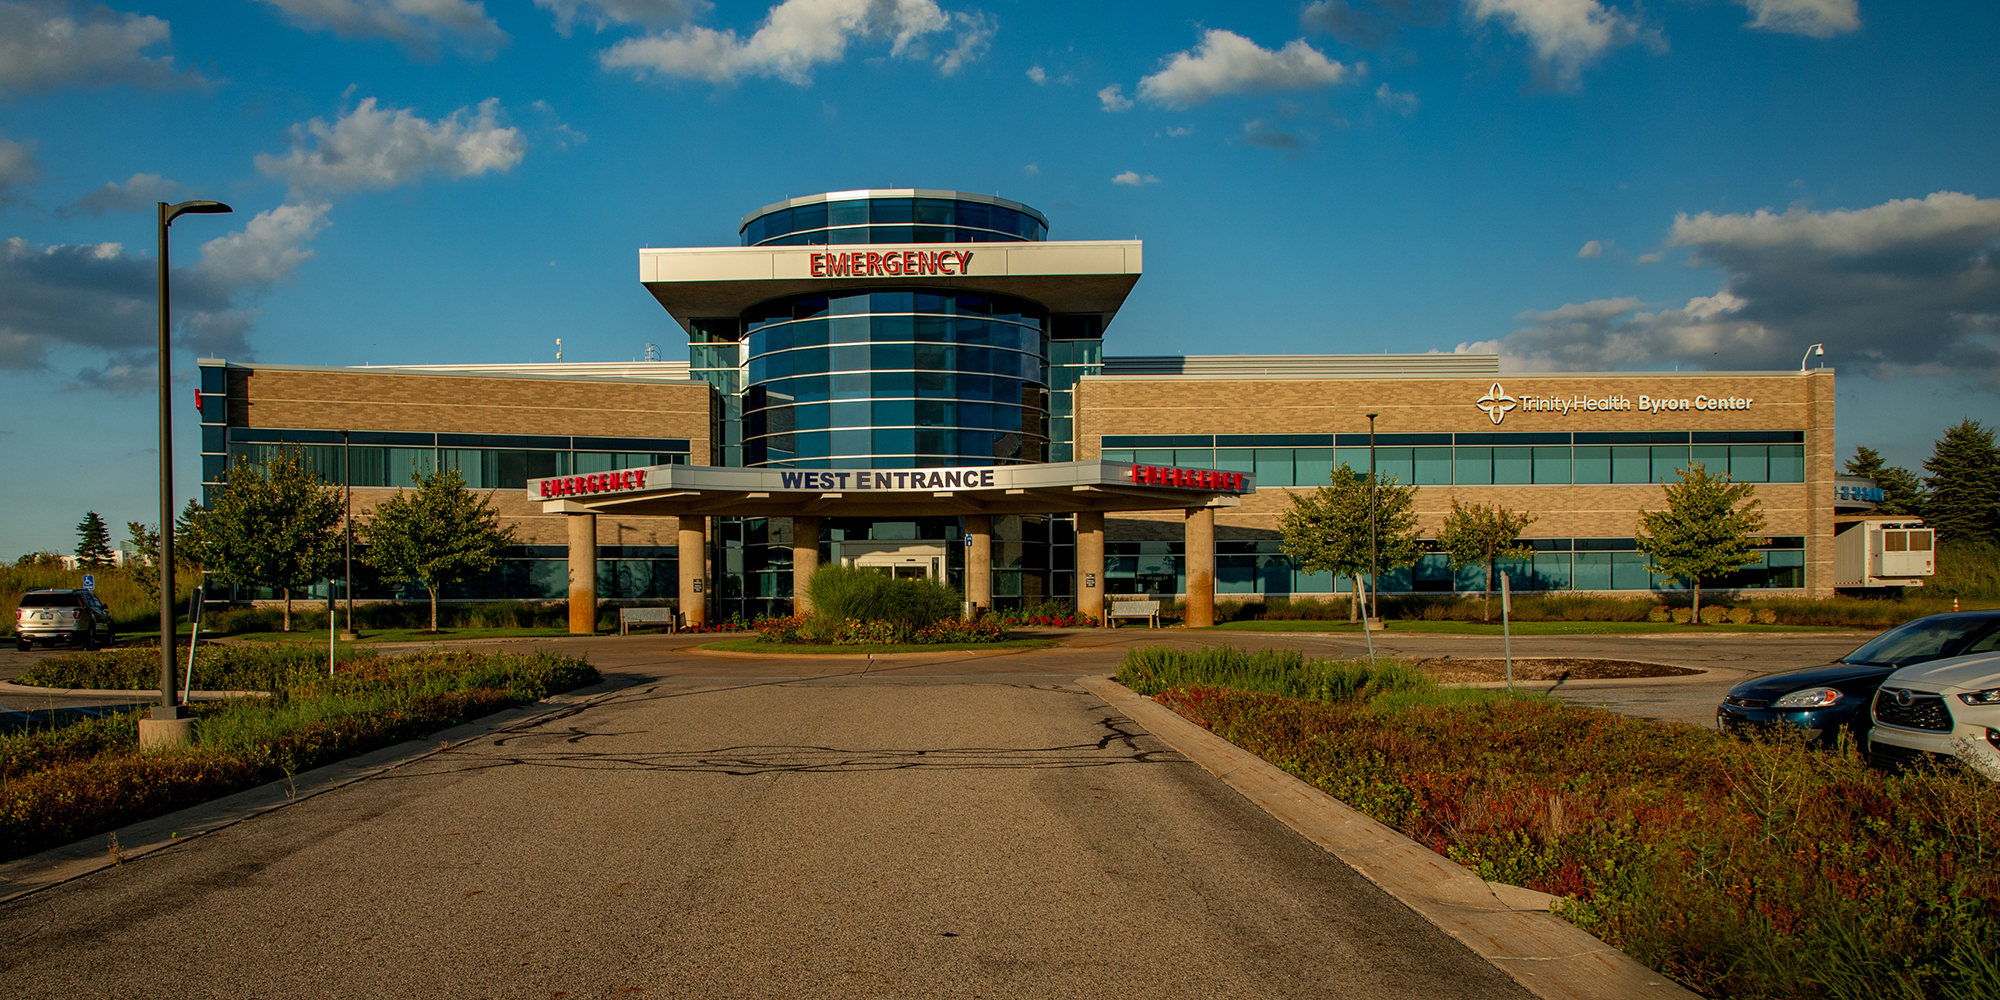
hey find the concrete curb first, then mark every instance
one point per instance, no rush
(32, 874)
(1505, 925)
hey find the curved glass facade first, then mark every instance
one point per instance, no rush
(896, 378)
(894, 220)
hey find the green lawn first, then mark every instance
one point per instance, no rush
(800, 649)
(1518, 628)
(374, 635)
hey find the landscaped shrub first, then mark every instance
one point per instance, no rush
(217, 667)
(1743, 869)
(1767, 616)
(1682, 616)
(58, 785)
(1714, 615)
(1152, 669)
(1048, 614)
(1741, 616)
(845, 592)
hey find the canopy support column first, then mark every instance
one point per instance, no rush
(582, 574)
(1090, 565)
(979, 563)
(1200, 547)
(805, 559)
(692, 539)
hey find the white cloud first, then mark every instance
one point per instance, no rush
(373, 147)
(1905, 287)
(1178, 131)
(17, 168)
(1400, 102)
(416, 25)
(606, 13)
(1225, 62)
(1039, 75)
(798, 35)
(1566, 34)
(1112, 98)
(140, 191)
(1652, 258)
(1133, 178)
(1812, 18)
(1591, 251)
(94, 304)
(43, 47)
(1031, 169)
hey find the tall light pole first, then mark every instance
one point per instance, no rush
(1820, 349)
(347, 522)
(1374, 590)
(170, 726)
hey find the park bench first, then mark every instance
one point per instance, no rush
(628, 617)
(1149, 610)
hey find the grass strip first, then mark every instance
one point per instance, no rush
(1518, 628)
(1752, 869)
(805, 649)
(61, 785)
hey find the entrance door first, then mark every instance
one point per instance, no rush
(904, 561)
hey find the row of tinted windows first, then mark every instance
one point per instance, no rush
(1361, 440)
(895, 413)
(1000, 307)
(879, 235)
(893, 448)
(906, 358)
(286, 435)
(897, 384)
(920, 329)
(894, 212)
(483, 468)
(1480, 466)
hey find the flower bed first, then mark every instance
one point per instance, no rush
(826, 630)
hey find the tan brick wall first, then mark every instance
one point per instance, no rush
(470, 404)
(1340, 406)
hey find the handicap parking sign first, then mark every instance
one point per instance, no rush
(90, 581)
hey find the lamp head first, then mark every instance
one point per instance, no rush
(168, 213)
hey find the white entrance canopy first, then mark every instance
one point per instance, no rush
(1052, 488)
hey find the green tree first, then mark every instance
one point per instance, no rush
(1900, 489)
(1483, 534)
(144, 565)
(275, 526)
(438, 535)
(1708, 529)
(1963, 488)
(1326, 530)
(93, 542)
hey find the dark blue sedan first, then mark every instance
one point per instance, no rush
(1826, 699)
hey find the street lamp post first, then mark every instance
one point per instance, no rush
(1819, 349)
(347, 522)
(169, 725)
(1373, 612)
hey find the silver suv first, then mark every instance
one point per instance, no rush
(52, 616)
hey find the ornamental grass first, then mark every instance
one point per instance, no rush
(63, 784)
(1752, 869)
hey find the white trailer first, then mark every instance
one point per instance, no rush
(1873, 552)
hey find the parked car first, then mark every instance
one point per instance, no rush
(62, 616)
(1946, 709)
(1824, 700)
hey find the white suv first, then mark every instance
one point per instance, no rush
(1947, 708)
(62, 616)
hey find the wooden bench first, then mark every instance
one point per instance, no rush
(1149, 610)
(628, 617)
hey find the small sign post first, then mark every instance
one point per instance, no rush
(1506, 637)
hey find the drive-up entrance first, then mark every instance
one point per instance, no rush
(1089, 490)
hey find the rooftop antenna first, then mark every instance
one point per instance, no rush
(558, 348)
(652, 352)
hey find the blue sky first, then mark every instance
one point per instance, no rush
(1577, 184)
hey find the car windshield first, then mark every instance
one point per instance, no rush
(1916, 642)
(48, 600)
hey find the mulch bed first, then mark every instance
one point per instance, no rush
(1453, 670)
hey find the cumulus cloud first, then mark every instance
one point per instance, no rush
(1112, 98)
(419, 26)
(44, 46)
(1225, 62)
(1401, 102)
(604, 14)
(1368, 26)
(1812, 18)
(1591, 251)
(380, 148)
(1133, 178)
(95, 303)
(798, 35)
(1905, 287)
(17, 168)
(1566, 34)
(1039, 75)
(140, 191)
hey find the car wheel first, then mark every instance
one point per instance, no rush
(89, 641)
(24, 644)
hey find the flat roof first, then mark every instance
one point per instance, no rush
(815, 199)
(1086, 276)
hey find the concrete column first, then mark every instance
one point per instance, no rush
(582, 574)
(1090, 565)
(979, 561)
(805, 559)
(693, 541)
(1200, 546)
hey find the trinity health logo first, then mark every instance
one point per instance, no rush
(1496, 404)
